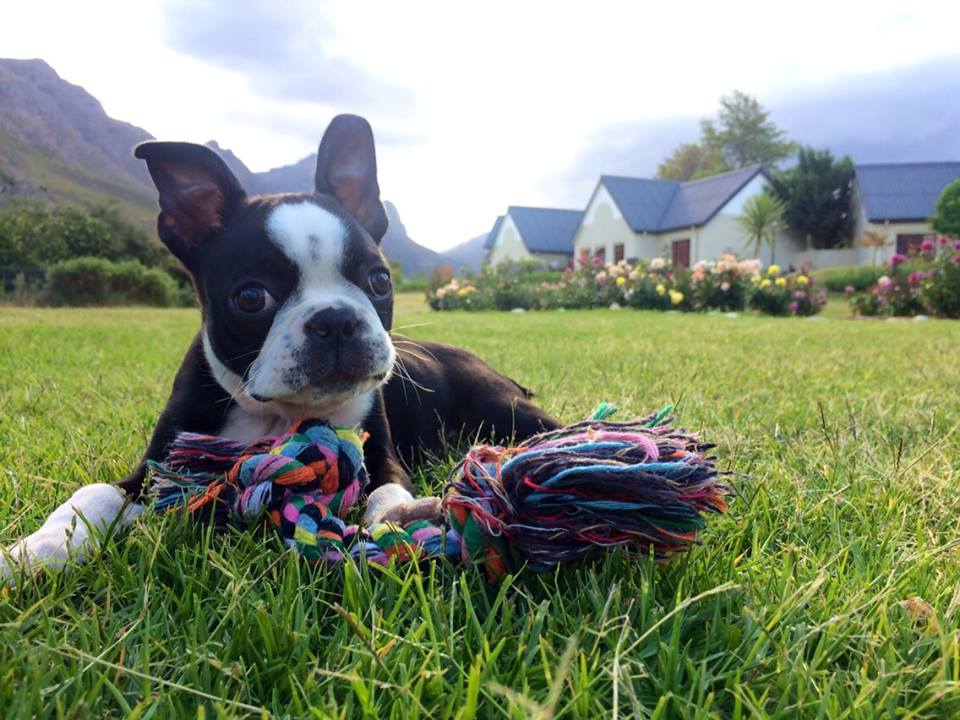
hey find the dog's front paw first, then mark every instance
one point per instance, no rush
(393, 503)
(67, 532)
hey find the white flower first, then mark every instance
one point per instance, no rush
(658, 264)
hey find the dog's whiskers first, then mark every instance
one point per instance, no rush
(406, 377)
(404, 339)
(407, 341)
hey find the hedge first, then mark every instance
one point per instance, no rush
(87, 281)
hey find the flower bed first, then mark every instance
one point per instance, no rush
(792, 294)
(926, 284)
(726, 284)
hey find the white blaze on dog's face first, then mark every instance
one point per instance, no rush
(296, 295)
(327, 343)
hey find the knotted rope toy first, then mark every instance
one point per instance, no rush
(555, 498)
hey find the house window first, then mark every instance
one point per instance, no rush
(910, 244)
(680, 250)
(600, 256)
(618, 252)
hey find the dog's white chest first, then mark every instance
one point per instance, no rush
(245, 424)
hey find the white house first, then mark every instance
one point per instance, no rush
(897, 200)
(542, 235)
(683, 221)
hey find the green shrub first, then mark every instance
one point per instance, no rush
(88, 281)
(867, 304)
(927, 284)
(858, 277)
(947, 219)
(939, 290)
(34, 236)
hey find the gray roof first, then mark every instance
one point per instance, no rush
(643, 202)
(545, 229)
(903, 191)
(663, 205)
(488, 243)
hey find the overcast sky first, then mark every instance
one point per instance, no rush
(475, 106)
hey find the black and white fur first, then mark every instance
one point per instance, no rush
(297, 308)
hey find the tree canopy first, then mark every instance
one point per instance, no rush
(34, 236)
(742, 134)
(691, 161)
(817, 193)
(947, 219)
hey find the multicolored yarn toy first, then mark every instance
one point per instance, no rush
(555, 498)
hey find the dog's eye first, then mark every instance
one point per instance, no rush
(253, 299)
(379, 282)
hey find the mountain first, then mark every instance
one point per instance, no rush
(297, 177)
(58, 144)
(468, 255)
(414, 258)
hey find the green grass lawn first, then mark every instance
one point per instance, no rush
(831, 589)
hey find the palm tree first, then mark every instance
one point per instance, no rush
(762, 219)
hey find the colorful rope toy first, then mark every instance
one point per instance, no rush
(555, 498)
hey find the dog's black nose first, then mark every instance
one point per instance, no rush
(331, 324)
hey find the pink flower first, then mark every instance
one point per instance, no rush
(725, 286)
(955, 258)
(897, 258)
(942, 239)
(956, 244)
(926, 246)
(799, 295)
(916, 278)
(794, 306)
(849, 290)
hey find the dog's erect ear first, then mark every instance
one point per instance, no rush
(197, 194)
(347, 169)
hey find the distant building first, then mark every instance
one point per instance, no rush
(684, 222)
(897, 200)
(539, 234)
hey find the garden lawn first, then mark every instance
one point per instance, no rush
(831, 589)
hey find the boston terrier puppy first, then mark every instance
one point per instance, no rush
(297, 306)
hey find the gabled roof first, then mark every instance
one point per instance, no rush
(663, 205)
(642, 202)
(544, 229)
(903, 191)
(491, 236)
